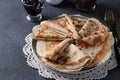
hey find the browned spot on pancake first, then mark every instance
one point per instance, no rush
(93, 22)
(101, 52)
(95, 33)
(80, 48)
(105, 29)
(82, 43)
(93, 54)
(51, 44)
(96, 40)
(66, 50)
(65, 59)
(83, 29)
(74, 54)
(79, 26)
(89, 38)
(85, 35)
(52, 61)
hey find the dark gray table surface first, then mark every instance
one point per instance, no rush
(14, 27)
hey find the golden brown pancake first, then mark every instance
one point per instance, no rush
(46, 33)
(51, 49)
(92, 27)
(96, 46)
(70, 43)
(72, 60)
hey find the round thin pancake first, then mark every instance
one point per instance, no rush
(96, 46)
(45, 33)
(92, 27)
(51, 49)
(72, 58)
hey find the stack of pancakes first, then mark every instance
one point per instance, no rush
(70, 43)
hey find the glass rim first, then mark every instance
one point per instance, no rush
(28, 4)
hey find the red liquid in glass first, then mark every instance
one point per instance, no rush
(33, 7)
(85, 4)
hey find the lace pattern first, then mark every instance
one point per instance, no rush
(43, 70)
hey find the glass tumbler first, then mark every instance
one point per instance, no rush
(85, 5)
(33, 8)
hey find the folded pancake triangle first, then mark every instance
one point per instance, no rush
(70, 43)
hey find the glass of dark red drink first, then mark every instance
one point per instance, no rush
(33, 8)
(85, 5)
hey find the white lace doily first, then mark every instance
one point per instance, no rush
(94, 73)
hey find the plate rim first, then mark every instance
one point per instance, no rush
(34, 42)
